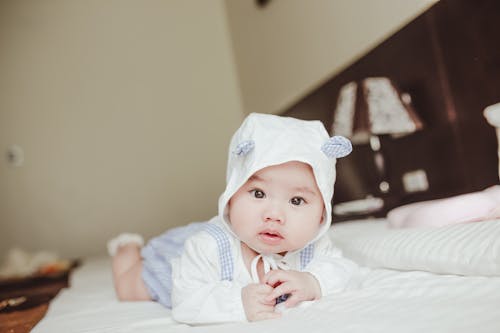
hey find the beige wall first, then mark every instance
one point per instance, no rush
(124, 110)
(291, 46)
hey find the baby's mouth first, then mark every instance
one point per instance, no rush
(271, 233)
(270, 236)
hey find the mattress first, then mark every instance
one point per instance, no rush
(394, 292)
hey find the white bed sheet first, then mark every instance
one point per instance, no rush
(381, 300)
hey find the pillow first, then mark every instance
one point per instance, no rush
(470, 207)
(465, 249)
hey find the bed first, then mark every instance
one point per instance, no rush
(444, 279)
(413, 280)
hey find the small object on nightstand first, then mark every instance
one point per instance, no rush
(358, 207)
(12, 302)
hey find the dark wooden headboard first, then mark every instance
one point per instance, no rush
(448, 60)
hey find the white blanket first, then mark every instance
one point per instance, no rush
(380, 300)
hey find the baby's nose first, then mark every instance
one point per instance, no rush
(274, 214)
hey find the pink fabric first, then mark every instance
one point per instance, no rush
(471, 207)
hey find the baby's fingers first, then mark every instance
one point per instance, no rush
(292, 301)
(276, 276)
(268, 315)
(265, 300)
(282, 289)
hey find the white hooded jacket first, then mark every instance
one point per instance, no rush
(208, 277)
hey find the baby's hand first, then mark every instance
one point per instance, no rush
(301, 286)
(257, 307)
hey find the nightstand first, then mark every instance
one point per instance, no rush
(24, 302)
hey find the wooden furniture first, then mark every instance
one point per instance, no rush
(33, 296)
(448, 60)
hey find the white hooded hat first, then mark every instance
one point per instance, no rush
(264, 140)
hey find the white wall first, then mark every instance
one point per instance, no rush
(288, 48)
(124, 110)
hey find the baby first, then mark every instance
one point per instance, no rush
(269, 243)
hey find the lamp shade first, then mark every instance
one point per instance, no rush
(375, 106)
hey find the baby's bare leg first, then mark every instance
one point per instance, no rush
(127, 270)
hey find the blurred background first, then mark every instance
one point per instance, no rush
(115, 115)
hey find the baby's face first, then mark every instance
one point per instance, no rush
(279, 209)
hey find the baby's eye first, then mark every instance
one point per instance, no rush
(258, 194)
(297, 201)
